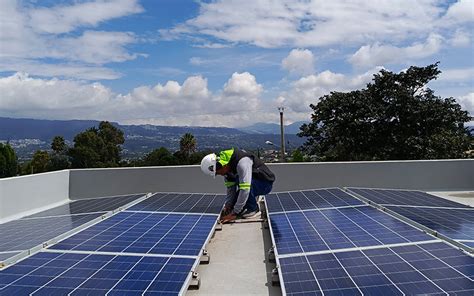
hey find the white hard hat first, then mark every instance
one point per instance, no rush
(208, 164)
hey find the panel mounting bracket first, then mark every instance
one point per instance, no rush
(271, 255)
(205, 257)
(275, 277)
(195, 281)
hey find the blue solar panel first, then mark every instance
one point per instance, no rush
(332, 229)
(309, 199)
(25, 234)
(103, 204)
(150, 233)
(453, 223)
(185, 203)
(417, 269)
(405, 197)
(469, 244)
(92, 274)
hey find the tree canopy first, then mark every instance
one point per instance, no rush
(187, 145)
(159, 157)
(8, 161)
(97, 147)
(395, 117)
(58, 145)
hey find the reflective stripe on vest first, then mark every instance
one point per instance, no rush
(244, 186)
(229, 184)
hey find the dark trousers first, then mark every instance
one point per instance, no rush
(258, 187)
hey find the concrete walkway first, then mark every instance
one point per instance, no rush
(238, 264)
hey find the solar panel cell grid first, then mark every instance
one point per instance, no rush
(405, 197)
(332, 229)
(88, 206)
(26, 234)
(185, 203)
(309, 199)
(453, 223)
(415, 269)
(82, 274)
(152, 233)
(6, 255)
(469, 244)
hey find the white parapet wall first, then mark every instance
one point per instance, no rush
(25, 195)
(20, 196)
(429, 175)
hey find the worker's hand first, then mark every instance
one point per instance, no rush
(228, 218)
(226, 211)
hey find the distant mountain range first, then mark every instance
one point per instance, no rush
(273, 128)
(29, 135)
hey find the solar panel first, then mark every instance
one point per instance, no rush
(92, 205)
(404, 197)
(184, 203)
(94, 274)
(147, 233)
(453, 223)
(6, 255)
(24, 234)
(469, 244)
(309, 199)
(416, 269)
(332, 229)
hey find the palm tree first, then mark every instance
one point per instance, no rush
(187, 144)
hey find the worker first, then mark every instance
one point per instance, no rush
(245, 176)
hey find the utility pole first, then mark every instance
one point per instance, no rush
(282, 134)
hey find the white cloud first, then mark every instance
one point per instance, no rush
(236, 104)
(66, 18)
(459, 12)
(30, 97)
(461, 38)
(270, 24)
(457, 75)
(378, 54)
(299, 61)
(309, 89)
(69, 70)
(467, 102)
(32, 35)
(240, 62)
(95, 47)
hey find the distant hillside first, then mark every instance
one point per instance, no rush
(29, 135)
(273, 128)
(14, 129)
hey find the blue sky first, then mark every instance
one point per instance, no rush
(219, 63)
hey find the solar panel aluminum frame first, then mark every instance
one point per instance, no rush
(37, 248)
(185, 287)
(275, 251)
(415, 224)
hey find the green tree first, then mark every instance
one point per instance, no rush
(187, 145)
(58, 145)
(395, 117)
(297, 156)
(159, 157)
(39, 163)
(8, 161)
(97, 147)
(58, 158)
